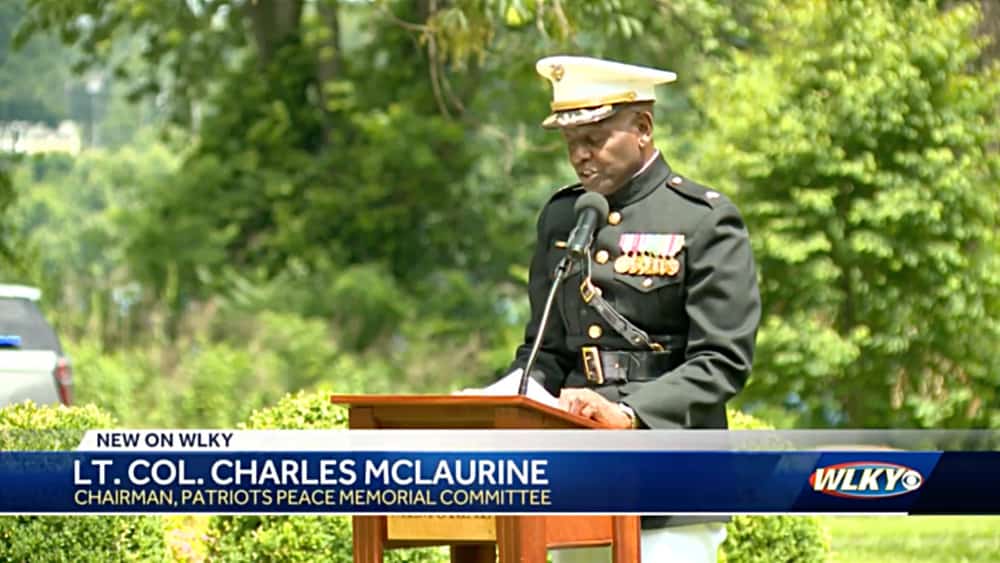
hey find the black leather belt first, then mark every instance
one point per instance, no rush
(613, 367)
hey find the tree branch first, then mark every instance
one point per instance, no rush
(400, 22)
(435, 83)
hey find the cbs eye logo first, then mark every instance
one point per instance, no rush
(911, 480)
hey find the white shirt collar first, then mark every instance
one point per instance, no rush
(656, 154)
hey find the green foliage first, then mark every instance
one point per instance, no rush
(305, 410)
(281, 538)
(178, 39)
(220, 372)
(32, 77)
(332, 172)
(767, 539)
(296, 538)
(74, 538)
(76, 216)
(6, 201)
(865, 162)
(377, 167)
(219, 384)
(102, 378)
(26, 426)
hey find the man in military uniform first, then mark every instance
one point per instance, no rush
(655, 327)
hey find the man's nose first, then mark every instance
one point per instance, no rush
(578, 154)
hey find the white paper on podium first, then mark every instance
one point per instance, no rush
(508, 386)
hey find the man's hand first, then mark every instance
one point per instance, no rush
(589, 404)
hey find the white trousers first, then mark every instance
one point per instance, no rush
(696, 543)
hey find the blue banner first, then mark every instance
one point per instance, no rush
(661, 482)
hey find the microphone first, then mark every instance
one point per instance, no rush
(591, 210)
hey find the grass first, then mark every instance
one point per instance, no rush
(930, 539)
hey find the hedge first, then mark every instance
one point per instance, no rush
(297, 538)
(26, 427)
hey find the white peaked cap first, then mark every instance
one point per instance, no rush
(586, 90)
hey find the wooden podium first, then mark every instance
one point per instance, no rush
(476, 539)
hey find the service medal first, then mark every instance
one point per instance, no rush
(647, 264)
(623, 263)
(635, 266)
(657, 267)
(672, 266)
(661, 266)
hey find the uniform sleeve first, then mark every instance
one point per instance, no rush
(554, 360)
(723, 304)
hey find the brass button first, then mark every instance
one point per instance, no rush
(676, 180)
(595, 331)
(614, 218)
(648, 282)
(601, 257)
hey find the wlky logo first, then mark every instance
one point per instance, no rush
(865, 479)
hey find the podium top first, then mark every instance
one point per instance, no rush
(456, 411)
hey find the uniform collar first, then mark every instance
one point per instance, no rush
(649, 177)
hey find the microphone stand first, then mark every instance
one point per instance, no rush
(561, 273)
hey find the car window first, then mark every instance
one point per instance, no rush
(20, 317)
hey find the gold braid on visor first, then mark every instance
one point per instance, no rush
(624, 97)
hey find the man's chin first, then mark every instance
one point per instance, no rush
(602, 187)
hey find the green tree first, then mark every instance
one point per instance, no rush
(7, 260)
(376, 164)
(379, 164)
(33, 79)
(357, 132)
(862, 149)
(73, 217)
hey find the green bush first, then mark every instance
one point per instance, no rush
(30, 427)
(102, 378)
(296, 538)
(195, 391)
(27, 427)
(775, 539)
(772, 539)
(223, 385)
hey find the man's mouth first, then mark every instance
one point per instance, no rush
(587, 174)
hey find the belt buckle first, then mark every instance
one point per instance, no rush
(592, 365)
(588, 290)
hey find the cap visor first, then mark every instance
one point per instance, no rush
(581, 116)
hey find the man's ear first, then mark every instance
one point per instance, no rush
(643, 123)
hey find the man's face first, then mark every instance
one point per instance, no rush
(608, 153)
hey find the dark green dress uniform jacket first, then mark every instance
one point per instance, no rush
(705, 315)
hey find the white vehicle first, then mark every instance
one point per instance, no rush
(32, 364)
